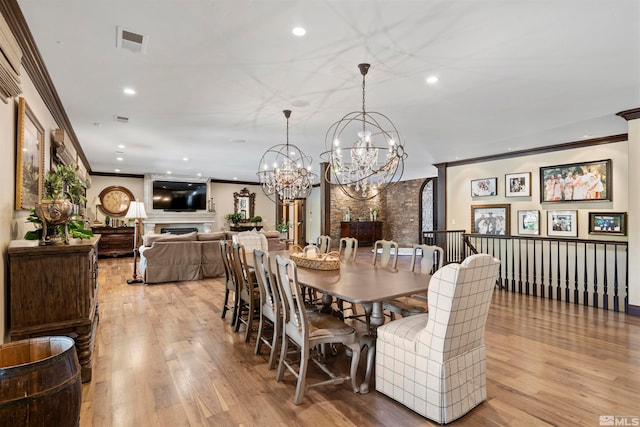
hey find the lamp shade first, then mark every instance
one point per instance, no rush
(96, 201)
(136, 210)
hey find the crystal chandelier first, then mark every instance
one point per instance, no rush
(285, 171)
(364, 169)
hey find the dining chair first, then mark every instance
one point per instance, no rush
(309, 333)
(387, 254)
(248, 292)
(431, 256)
(251, 240)
(435, 363)
(231, 285)
(324, 244)
(348, 249)
(270, 306)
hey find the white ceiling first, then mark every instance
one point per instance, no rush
(513, 75)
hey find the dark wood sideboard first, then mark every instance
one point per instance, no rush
(53, 290)
(367, 232)
(115, 241)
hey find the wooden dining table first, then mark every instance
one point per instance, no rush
(361, 283)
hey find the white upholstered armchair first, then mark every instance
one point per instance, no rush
(435, 363)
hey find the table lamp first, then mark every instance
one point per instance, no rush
(136, 211)
(96, 202)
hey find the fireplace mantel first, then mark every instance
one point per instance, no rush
(203, 220)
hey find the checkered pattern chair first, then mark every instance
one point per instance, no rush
(251, 240)
(435, 363)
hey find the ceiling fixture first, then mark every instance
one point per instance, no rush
(299, 31)
(364, 169)
(285, 171)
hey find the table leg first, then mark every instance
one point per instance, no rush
(370, 342)
(377, 315)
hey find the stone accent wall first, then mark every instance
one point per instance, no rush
(398, 210)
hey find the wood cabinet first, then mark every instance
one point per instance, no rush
(53, 290)
(367, 232)
(115, 241)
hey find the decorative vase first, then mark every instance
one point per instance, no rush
(54, 212)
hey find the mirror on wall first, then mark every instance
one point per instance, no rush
(244, 203)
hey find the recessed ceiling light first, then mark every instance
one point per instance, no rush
(116, 170)
(169, 172)
(299, 31)
(432, 80)
(235, 178)
(120, 145)
(300, 103)
(129, 91)
(586, 136)
(185, 159)
(199, 174)
(119, 159)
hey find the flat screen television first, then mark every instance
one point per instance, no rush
(175, 196)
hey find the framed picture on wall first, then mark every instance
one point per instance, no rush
(562, 223)
(529, 222)
(29, 158)
(491, 219)
(587, 181)
(611, 223)
(484, 187)
(517, 184)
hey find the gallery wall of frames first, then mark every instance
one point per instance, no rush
(538, 195)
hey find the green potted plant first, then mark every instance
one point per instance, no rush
(283, 228)
(75, 228)
(256, 219)
(233, 218)
(63, 179)
(63, 188)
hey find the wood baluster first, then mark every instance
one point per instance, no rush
(526, 268)
(513, 266)
(566, 279)
(616, 304)
(519, 266)
(575, 275)
(585, 294)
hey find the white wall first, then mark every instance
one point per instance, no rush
(99, 183)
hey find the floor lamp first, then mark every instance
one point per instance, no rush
(136, 211)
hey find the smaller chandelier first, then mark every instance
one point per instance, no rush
(364, 169)
(285, 171)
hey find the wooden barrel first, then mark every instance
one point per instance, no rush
(40, 383)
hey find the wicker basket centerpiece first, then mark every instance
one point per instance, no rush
(310, 258)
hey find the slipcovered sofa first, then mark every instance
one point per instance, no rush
(193, 256)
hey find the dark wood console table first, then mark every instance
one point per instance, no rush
(367, 232)
(244, 227)
(54, 291)
(115, 241)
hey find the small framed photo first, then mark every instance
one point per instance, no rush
(611, 223)
(562, 223)
(586, 181)
(529, 222)
(517, 184)
(484, 187)
(491, 219)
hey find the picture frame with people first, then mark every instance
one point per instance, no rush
(491, 219)
(517, 184)
(610, 223)
(562, 223)
(587, 181)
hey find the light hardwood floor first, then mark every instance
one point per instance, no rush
(164, 357)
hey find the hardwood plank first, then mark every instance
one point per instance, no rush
(163, 356)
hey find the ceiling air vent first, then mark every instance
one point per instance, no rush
(129, 40)
(121, 119)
